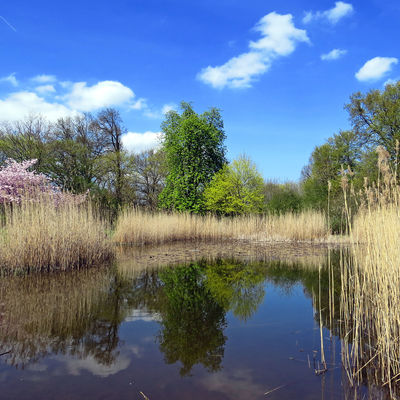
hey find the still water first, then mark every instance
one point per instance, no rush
(205, 328)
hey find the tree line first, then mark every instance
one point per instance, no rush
(190, 172)
(351, 159)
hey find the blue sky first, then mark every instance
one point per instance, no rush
(280, 72)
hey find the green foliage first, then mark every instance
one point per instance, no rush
(236, 189)
(194, 150)
(282, 198)
(375, 117)
(322, 186)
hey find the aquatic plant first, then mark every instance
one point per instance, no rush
(45, 236)
(135, 226)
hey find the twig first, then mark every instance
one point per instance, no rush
(273, 390)
(144, 396)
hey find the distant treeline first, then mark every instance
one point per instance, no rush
(189, 171)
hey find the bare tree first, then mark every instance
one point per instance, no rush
(109, 124)
(149, 172)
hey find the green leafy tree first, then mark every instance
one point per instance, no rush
(194, 148)
(26, 140)
(375, 117)
(282, 198)
(321, 183)
(236, 189)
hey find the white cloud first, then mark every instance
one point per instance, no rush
(168, 107)
(137, 142)
(158, 114)
(333, 15)
(376, 68)
(44, 78)
(391, 81)
(10, 79)
(102, 94)
(18, 105)
(333, 54)
(279, 38)
(44, 89)
(55, 99)
(139, 104)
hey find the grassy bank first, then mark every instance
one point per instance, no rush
(39, 236)
(138, 227)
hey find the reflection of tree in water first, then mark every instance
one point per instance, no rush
(79, 313)
(238, 287)
(192, 320)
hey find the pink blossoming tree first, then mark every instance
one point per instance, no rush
(18, 183)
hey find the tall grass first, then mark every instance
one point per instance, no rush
(139, 227)
(371, 285)
(40, 236)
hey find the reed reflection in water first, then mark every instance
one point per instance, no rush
(83, 316)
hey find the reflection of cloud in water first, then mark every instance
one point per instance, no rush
(237, 384)
(36, 367)
(137, 351)
(75, 366)
(142, 315)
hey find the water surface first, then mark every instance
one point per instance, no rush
(208, 328)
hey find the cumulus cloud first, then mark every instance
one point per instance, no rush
(136, 142)
(333, 15)
(279, 37)
(43, 89)
(103, 94)
(10, 79)
(44, 78)
(333, 55)
(376, 68)
(18, 105)
(45, 95)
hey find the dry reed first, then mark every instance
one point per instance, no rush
(40, 236)
(138, 227)
(370, 295)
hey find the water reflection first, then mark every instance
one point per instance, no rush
(77, 318)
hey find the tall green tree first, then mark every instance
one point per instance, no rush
(236, 189)
(194, 148)
(321, 184)
(375, 118)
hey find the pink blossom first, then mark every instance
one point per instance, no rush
(17, 183)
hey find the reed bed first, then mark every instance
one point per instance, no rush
(370, 295)
(139, 227)
(41, 236)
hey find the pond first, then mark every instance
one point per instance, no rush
(251, 324)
